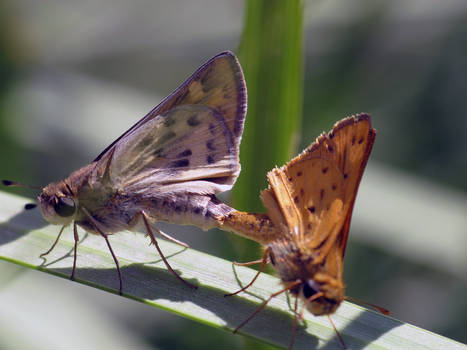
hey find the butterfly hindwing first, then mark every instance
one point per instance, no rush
(310, 195)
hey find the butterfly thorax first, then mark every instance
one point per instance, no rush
(321, 291)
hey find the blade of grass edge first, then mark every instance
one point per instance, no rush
(24, 235)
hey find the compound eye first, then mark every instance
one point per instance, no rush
(310, 288)
(64, 206)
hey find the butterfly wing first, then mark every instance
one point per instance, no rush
(309, 194)
(193, 134)
(352, 140)
(315, 192)
(187, 143)
(219, 83)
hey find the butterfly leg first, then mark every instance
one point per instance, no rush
(263, 263)
(54, 244)
(170, 238)
(75, 250)
(154, 242)
(105, 236)
(295, 321)
(249, 263)
(261, 307)
(337, 332)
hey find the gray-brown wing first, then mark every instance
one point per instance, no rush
(189, 148)
(218, 84)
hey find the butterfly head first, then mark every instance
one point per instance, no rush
(322, 295)
(58, 204)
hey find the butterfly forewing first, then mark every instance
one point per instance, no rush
(187, 143)
(347, 148)
(194, 134)
(219, 84)
(352, 141)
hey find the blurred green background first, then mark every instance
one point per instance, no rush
(75, 75)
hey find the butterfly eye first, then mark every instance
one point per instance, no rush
(64, 206)
(310, 288)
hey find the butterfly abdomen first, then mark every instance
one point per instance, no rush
(251, 225)
(187, 209)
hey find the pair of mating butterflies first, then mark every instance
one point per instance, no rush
(170, 165)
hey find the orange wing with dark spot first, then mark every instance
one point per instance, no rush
(312, 196)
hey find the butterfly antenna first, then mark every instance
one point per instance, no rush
(337, 332)
(10, 183)
(376, 307)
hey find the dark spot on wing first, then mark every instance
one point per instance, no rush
(295, 199)
(180, 163)
(311, 209)
(325, 170)
(360, 141)
(302, 192)
(212, 128)
(205, 77)
(193, 120)
(299, 173)
(308, 226)
(290, 179)
(210, 159)
(346, 176)
(210, 145)
(185, 153)
(197, 210)
(169, 121)
(334, 186)
(330, 149)
(331, 135)
(321, 194)
(353, 140)
(167, 136)
(158, 151)
(149, 139)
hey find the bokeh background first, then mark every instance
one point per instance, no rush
(75, 75)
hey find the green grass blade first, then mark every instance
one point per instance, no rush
(24, 235)
(272, 60)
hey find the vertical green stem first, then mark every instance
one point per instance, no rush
(272, 59)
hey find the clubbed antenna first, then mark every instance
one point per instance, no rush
(14, 183)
